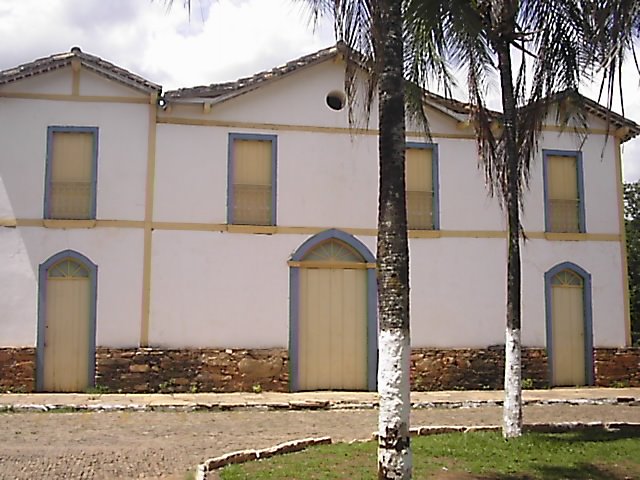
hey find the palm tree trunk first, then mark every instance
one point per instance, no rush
(394, 454)
(512, 414)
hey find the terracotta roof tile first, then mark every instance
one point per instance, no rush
(91, 62)
(229, 89)
(218, 89)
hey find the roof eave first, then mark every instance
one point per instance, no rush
(177, 97)
(142, 85)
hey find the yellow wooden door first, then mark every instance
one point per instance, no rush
(67, 328)
(333, 323)
(568, 333)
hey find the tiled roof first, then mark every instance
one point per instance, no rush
(218, 89)
(219, 92)
(90, 62)
(224, 91)
(615, 120)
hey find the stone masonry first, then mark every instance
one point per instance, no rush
(18, 369)
(472, 368)
(202, 370)
(617, 367)
(230, 370)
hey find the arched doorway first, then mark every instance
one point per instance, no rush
(66, 323)
(333, 327)
(569, 332)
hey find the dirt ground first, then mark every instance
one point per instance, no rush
(168, 445)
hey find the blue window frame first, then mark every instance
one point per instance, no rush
(422, 181)
(564, 210)
(71, 173)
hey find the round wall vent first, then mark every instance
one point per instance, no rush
(336, 100)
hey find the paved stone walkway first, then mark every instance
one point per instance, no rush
(308, 400)
(123, 436)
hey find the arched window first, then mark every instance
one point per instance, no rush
(68, 268)
(333, 250)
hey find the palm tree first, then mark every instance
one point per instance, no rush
(374, 29)
(481, 36)
(394, 452)
(612, 27)
(373, 34)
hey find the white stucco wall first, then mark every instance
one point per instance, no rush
(324, 179)
(191, 174)
(116, 252)
(457, 292)
(122, 154)
(602, 260)
(18, 284)
(57, 82)
(218, 289)
(600, 180)
(121, 177)
(227, 290)
(93, 84)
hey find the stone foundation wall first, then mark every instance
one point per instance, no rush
(217, 370)
(205, 370)
(617, 367)
(17, 370)
(473, 369)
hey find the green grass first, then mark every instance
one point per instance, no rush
(596, 455)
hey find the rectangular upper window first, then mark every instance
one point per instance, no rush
(564, 203)
(252, 179)
(71, 165)
(421, 174)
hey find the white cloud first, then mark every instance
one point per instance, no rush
(221, 41)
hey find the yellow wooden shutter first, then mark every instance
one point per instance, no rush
(71, 175)
(564, 202)
(252, 182)
(419, 180)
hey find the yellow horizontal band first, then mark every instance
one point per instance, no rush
(69, 223)
(575, 237)
(294, 128)
(75, 98)
(285, 230)
(203, 122)
(316, 264)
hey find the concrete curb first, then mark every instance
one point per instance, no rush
(294, 405)
(556, 427)
(244, 456)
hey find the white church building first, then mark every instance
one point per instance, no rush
(221, 237)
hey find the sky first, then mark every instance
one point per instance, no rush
(221, 40)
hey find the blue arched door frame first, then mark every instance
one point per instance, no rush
(42, 299)
(588, 319)
(294, 303)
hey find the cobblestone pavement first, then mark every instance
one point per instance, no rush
(168, 445)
